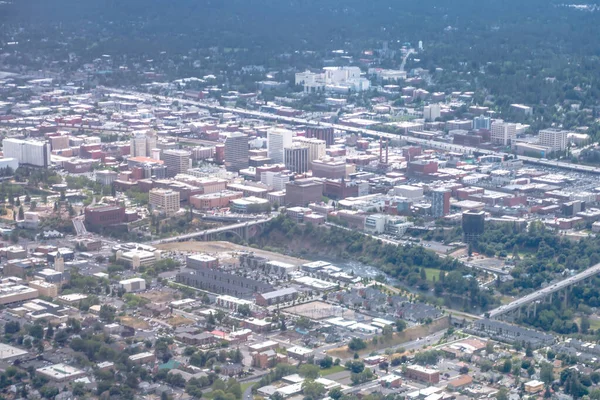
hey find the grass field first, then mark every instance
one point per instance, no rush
(133, 322)
(332, 370)
(244, 386)
(432, 274)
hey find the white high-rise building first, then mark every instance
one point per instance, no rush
(142, 144)
(276, 180)
(503, 133)
(277, 140)
(29, 152)
(316, 148)
(432, 112)
(556, 139)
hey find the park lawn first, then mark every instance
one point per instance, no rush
(334, 369)
(432, 273)
(244, 386)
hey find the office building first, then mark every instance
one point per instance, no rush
(472, 225)
(420, 373)
(44, 288)
(432, 112)
(166, 200)
(276, 297)
(321, 133)
(142, 144)
(12, 292)
(440, 202)
(555, 139)
(27, 152)
(176, 161)
(276, 180)
(316, 148)
(200, 261)
(482, 122)
(503, 133)
(236, 151)
(332, 169)
(296, 158)
(277, 140)
(106, 177)
(302, 192)
(133, 285)
(104, 215)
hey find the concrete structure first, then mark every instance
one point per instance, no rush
(133, 284)
(166, 200)
(142, 143)
(503, 133)
(296, 158)
(277, 140)
(555, 139)
(214, 200)
(139, 257)
(331, 169)
(432, 112)
(250, 205)
(472, 224)
(316, 148)
(176, 161)
(502, 331)
(534, 386)
(201, 261)
(276, 180)
(44, 288)
(321, 133)
(27, 152)
(236, 151)
(217, 281)
(482, 122)
(9, 353)
(106, 177)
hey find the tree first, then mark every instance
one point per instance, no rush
(107, 313)
(50, 331)
(507, 366)
(12, 327)
(336, 393)
(400, 325)
(528, 350)
(36, 331)
(584, 325)
(312, 390)
(309, 371)
(357, 344)
(489, 347)
(502, 394)
(244, 310)
(21, 214)
(546, 373)
(326, 362)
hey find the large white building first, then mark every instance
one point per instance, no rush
(316, 148)
(556, 139)
(503, 133)
(29, 152)
(277, 140)
(276, 180)
(432, 112)
(142, 144)
(335, 79)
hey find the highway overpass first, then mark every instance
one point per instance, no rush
(364, 132)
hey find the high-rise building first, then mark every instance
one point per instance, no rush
(503, 133)
(236, 151)
(482, 122)
(277, 140)
(472, 225)
(176, 161)
(296, 158)
(275, 179)
(556, 139)
(28, 152)
(440, 202)
(142, 144)
(166, 200)
(316, 148)
(432, 112)
(322, 133)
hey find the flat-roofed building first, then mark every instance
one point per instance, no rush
(276, 297)
(9, 353)
(133, 284)
(420, 373)
(13, 293)
(44, 288)
(60, 372)
(142, 358)
(166, 200)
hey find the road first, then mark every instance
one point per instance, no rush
(540, 294)
(364, 132)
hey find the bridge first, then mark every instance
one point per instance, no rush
(243, 230)
(528, 304)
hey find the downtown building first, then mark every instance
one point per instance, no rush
(236, 152)
(27, 152)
